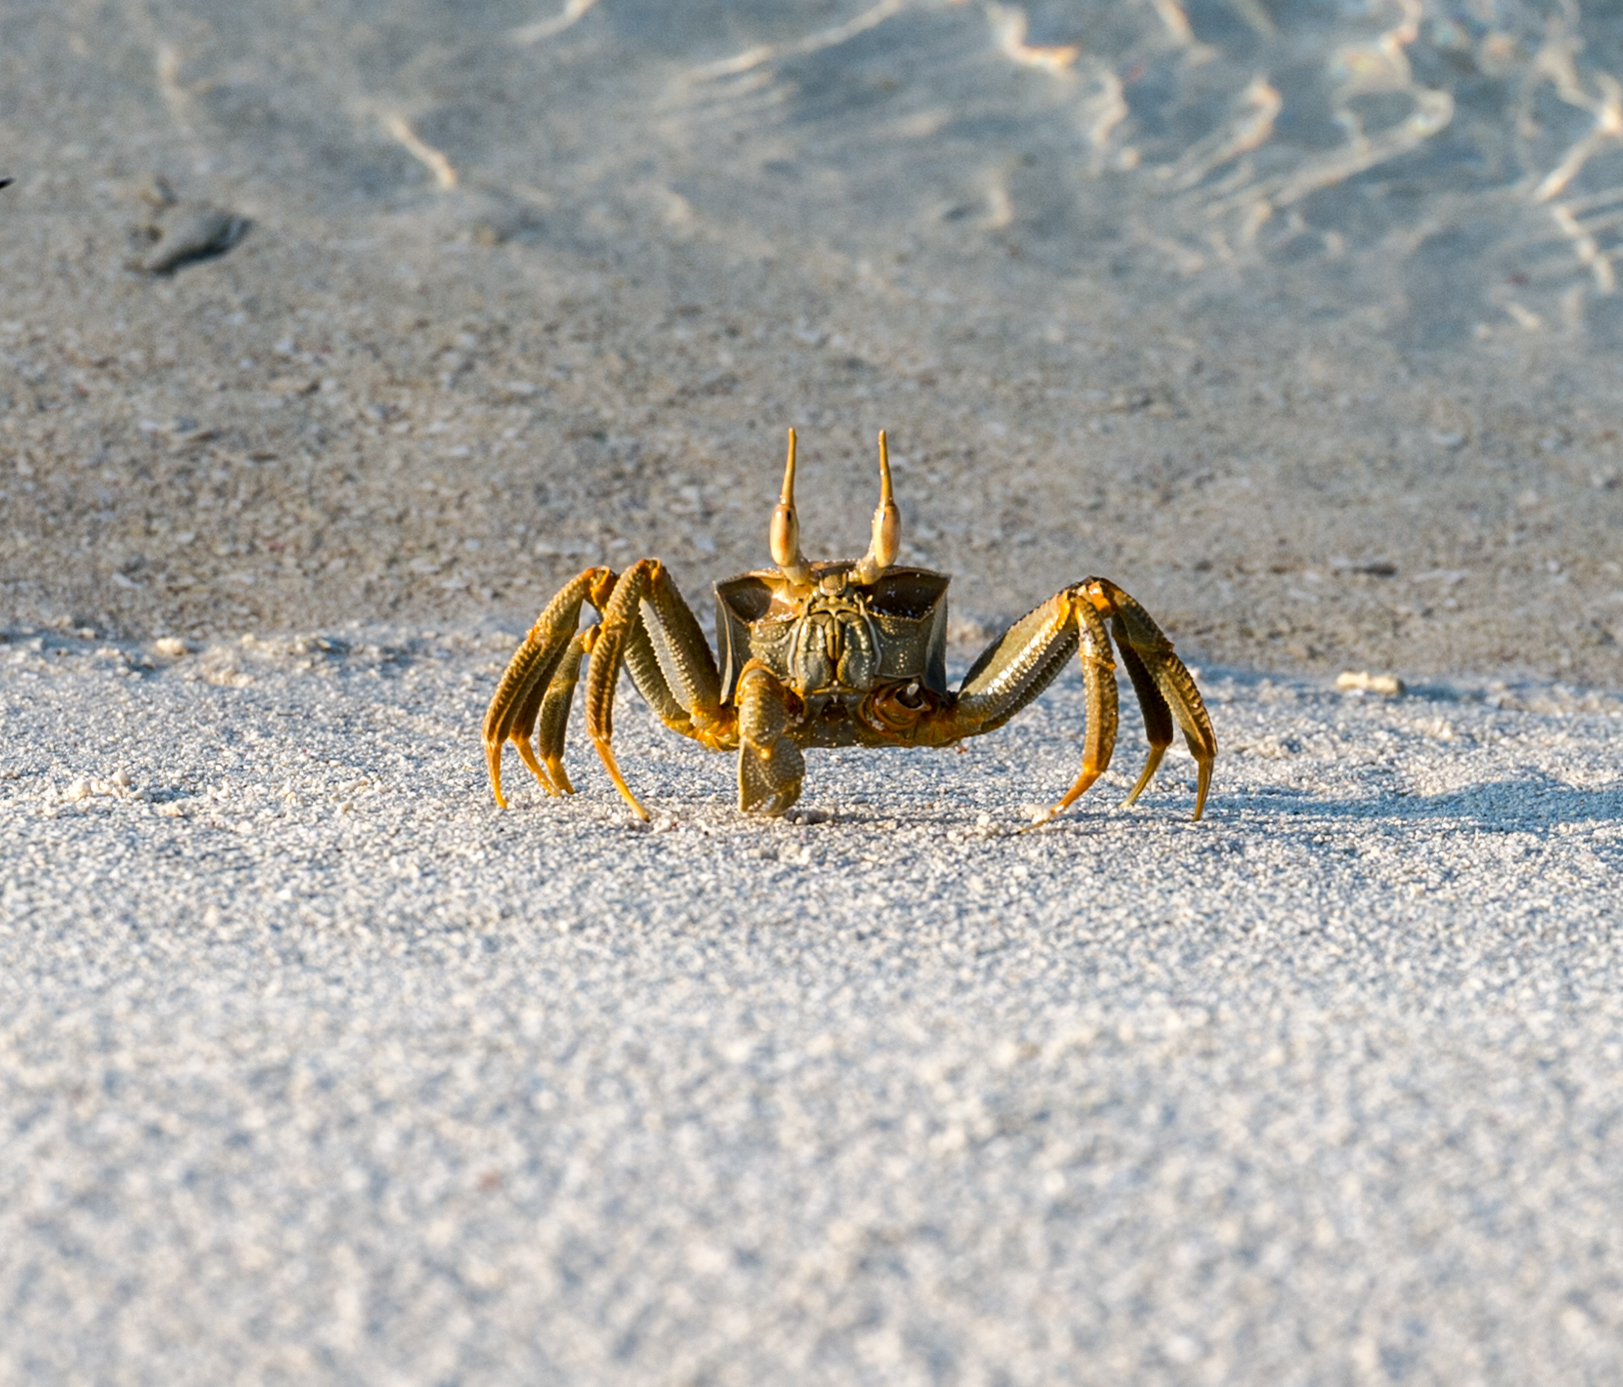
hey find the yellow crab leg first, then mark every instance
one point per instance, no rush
(1014, 669)
(1172, 678)
(770, 765)
(521, 692)
(620, 617)
(554, 717)
(673, 668)
(648, 627)
(1021, 663)
(606, 752)
(1157, 716)
(1099, 686)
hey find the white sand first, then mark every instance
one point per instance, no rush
(317, 1066)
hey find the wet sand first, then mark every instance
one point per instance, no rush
(400, 401)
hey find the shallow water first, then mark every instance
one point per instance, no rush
(1431, 172)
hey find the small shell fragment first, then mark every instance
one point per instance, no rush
(192, 231)
(156, 191)
(1365, 682)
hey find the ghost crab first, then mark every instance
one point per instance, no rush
(828, 654)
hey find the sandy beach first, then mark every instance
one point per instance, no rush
(319, 1066)
(334, 341)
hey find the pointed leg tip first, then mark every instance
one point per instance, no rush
(1202, 785)
(1084, 783)
(612, 766)
(493, 762)
(1152, 765)
(1038, 817)
(527, 755)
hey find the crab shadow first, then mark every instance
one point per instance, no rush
(1530, 803)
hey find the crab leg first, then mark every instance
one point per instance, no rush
(1017, 667)
(648, 627)
(1172, 681)
(1157, 716)
(520, 695)
(554, 717)
(1099, 687)
(672, 665)
(770, 766)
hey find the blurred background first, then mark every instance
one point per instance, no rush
(1300, 321)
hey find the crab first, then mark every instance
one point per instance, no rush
(830, 654)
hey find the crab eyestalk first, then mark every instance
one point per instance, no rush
(887, 526)
(785, 533)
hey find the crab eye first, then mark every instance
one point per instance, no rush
(784, 536)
